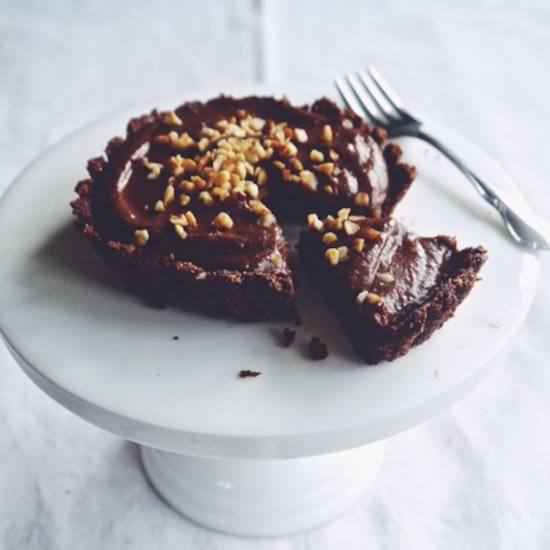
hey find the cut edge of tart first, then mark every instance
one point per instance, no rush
(186, 204)
(390, 289)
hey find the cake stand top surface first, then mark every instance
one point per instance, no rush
(102, 353)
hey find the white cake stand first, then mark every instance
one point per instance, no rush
(282, 452)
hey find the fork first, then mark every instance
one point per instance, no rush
(367, 93)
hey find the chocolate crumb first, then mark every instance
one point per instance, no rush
(318, 349)
(249, 374)
(288, 337)
(175, 337)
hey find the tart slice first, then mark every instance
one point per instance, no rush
(187, 204)
(390, 288)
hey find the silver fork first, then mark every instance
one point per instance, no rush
(367, 93)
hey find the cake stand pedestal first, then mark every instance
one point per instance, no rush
(263, 497)
(293, 447)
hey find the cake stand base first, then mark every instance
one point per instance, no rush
(263, 497)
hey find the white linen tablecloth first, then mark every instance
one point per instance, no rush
(476, 476)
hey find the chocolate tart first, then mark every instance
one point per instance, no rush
(390, 288)
(187, 204)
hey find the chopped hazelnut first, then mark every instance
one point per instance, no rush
(180, 231)
(141, 237)
(332, 255)
(358, 245)
(258, 207)
(182, 141)
(370, 233)
(179, 219)
(203, 144)
(351, 227)
(257, 123)
(189, 164)
(362, 199)
(210, 133)
(330, 238)
(277, 259)
(343, 253)
(206, 198)
(386, 278)
(191, 219)
(332, 223)
(155, 168)
(313, 222)
(185, 199)
(224, 177)
(290, 149)
(240, 169)
(223, 221)
(298, 165)
(187, 185)
(261, 176)
(219, 162)
(172, 118)
(169, 195)
(309, 180)
(316, 156)
(344, 213)
(267, 221)
(301, 135)
(199, 182)
(251, 189)
(279, 134)
(327, 133)
(373, 298)
(159, 206)
(220, 193)
(176, 165)
(325, 167)
(233, 130)
(361, 297)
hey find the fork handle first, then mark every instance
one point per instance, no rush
(524, 225)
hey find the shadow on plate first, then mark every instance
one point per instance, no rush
(68, 254)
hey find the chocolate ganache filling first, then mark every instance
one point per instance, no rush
(287, 159)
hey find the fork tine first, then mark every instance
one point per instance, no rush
(366, 102)
(347, 97)
(380, 100)
(393, 99)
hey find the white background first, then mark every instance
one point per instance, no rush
(476, 476)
